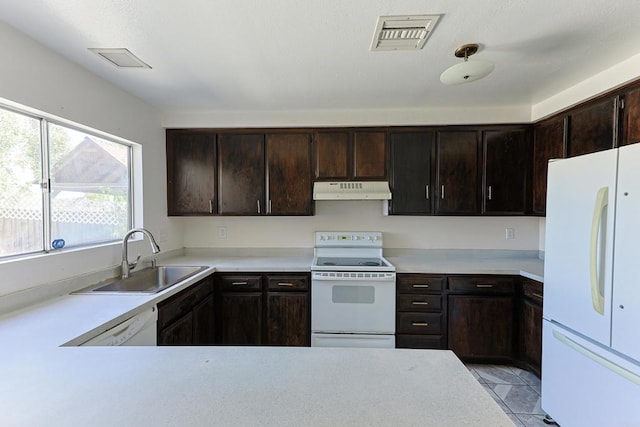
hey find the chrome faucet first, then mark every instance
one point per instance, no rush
(126, 266)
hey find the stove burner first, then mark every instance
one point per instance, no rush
(370, 263)
(328, 263)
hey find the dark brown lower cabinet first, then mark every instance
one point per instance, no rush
(287, 318)
(263, 309)
(480, 317)
(480, 327)
(530, 326)
(187, 318)
(241, 318)
(419, 318)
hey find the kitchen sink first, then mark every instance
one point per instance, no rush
(149, 280)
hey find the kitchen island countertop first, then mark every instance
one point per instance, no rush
(241, 386)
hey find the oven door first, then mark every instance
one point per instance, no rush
(353, 302)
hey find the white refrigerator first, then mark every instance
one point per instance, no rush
(591, 326)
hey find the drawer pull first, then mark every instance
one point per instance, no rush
(420, 286)
(484, 286)
(239, 283)
(285, 284)
(537, 295)
(420, 302)
(419, 324)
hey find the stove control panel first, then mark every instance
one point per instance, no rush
(349, 238)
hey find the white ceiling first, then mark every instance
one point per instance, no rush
(272, 55)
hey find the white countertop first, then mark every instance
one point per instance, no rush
(44, 384)
(241, 386)
(468, 262)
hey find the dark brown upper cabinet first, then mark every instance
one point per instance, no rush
(592, 128)
(548, 143)
(191, 172)
(241, 173)
(507, 160)
(412, 157)
(350, 155)
(289, 190)
(457, 172)
(631, 118)
(264, 175)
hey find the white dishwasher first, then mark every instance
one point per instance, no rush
(139, 330)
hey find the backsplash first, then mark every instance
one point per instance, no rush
(419, 232)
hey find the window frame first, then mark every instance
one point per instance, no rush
(45, 176)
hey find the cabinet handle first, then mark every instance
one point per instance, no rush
(239, 283)
(490, 192)
(420, 302)
(210, 206)
(258, 201)
(484, 286)
(419, 286)
(269, 211)
(442, 192)
(537, 295)
(285, 284)
(419, 324)
(426, 191)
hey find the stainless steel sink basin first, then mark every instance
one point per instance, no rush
(149, 280)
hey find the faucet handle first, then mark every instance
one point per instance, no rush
(132, 265)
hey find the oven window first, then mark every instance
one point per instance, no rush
(353, 294)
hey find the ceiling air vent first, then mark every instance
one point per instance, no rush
(121, 57)
(407, 32)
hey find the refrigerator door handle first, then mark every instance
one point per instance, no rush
(597, 297)
(617, 369)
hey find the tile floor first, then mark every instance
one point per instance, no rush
(516, 391)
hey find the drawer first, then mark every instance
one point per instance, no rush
(418, 323)
(183, 302)
(419, 283)
(482, 284)
(288, 283)
(532, 289)
(419, 341)
(416, 302)
(239, 283)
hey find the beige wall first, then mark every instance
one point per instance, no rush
(33, 76)
(426, 232)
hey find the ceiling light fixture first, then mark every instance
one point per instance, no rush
(467, 71)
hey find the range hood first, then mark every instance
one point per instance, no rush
(351, 190)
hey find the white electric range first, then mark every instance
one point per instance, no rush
(353, 291)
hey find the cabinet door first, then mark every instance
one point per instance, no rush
(179, 332)
(481, 327)
(530, 333)
(191, 172)
(507, 159)
(203, 322)
(241, 174)
(591, 129)
(332, 155)
(369, 156)
(457, 172)
(631, 126)
(411, 157)
(241, 318)
(289, 174)
(288, 319)
(548, 143)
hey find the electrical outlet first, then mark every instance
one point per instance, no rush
(222, 233)
(510, 233)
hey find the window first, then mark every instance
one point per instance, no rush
(60, 184)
